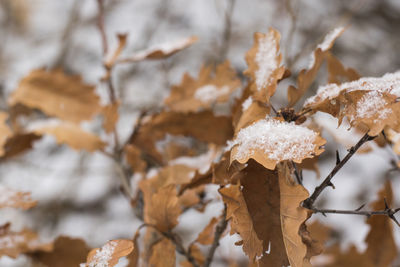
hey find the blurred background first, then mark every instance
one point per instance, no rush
(78, 192)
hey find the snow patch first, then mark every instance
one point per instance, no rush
(247, 103)
(278, 140)
(371, 104)
(210, 93)
(266, 60)
(102, 256)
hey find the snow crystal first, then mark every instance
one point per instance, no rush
(210, 93)
(103, 255)
(388, 83)
(266, 60)
(247, 103)
(278, 140)
(371, 104)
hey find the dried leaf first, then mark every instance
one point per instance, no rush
(19, 143)
(352, 257)
(307, 76)
(10, 198)
(206, 237)
(382, 249)
(195, 94)
(109, 254)
(163, 210)
(263, 61)
(199, 125)
(197, 255)
(57, 94)
(270, 141)
(110, 113)
(254, 112)
(338, 73)
(163, 254)
(5, 132)
(67, 252)
(160, 51)
(13, 243)
(122, 39)
(72, 135)
(134, 159)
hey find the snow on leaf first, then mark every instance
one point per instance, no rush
(263, 61)
(13, 243)
(160, 51)
(109, 254)
(368, 101)
(71, 135)
(307, 76)
(270, 141)
(194, 94)
(57, 94)
(10, 198)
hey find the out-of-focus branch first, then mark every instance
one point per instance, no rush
(226, 36)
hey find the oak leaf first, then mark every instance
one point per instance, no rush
(163, 254)
(10, 198)
(109, 254)
(160, 51)
(57, 94)
(67, 252)
(5, 131)
(263, 61)
(163, 210)
(72, 135)
(339, 73)
(195, 94)
(307, 76)
(110, 113)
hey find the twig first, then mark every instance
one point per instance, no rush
(386, 212)
(309, 202)
(298, 173)
(227, 30)
(100, 25)
(217, 235)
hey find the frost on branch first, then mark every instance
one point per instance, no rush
(109, 254)
(10, 198)
(270, 141)
(263, 61)
(368, 101)
(195, 94)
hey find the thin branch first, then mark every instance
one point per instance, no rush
(100, 25)
(309, 202)
(219, 230)
(386, 212)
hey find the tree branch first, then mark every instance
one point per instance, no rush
(309, 202)
(219, 230)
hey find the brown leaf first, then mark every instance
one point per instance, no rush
(201, 125)
(160, 51)
(263, 61)
(122, 39)
(307, 76)
(163, 210)
(270, 141)
(57, 94)
(338, 73)
(206, 237)
(382, 249)
(197, 255)
(13, 243)
(73, 136)
(110, 253)
(5, 132)
(10, 198)
(352, 257)
(163, 254)
(67, 252)
(110, 113)
(195, 94)
(19, 143)
(256, 111)
(134, 159)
